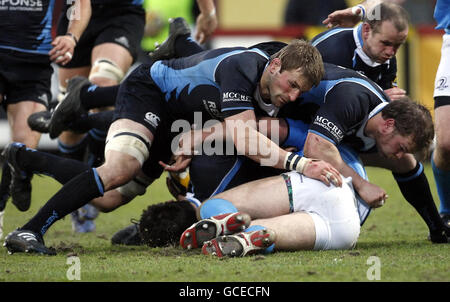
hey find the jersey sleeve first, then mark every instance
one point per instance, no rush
(238, 77)
(342, 111)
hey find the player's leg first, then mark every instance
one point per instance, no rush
(413, 183)
(441, 157)
(28, 92)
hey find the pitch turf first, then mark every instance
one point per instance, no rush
(393, 237)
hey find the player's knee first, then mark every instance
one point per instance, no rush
(443, 145)
(105, 72)
(130, 142)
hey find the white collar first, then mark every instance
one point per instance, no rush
(357, 35)
(270, 109)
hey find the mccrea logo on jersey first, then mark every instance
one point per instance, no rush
(330, 127)
(235, 97)
(152, 119)
(442, 84)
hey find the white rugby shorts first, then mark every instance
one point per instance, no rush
(442, 82)
(332, 209)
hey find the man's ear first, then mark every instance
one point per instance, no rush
(388, 126)
(365, 31)
(275, 65)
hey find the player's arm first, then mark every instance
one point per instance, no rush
(349, 17)
(318, 147)
(242, 127)
(207, 20)
(79, 15)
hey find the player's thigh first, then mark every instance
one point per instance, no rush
(442, 125)
(262, 198)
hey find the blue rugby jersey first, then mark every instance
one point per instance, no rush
(343, 46)
(219, 83)
(442, 15)
(347, 101)
(26, 25)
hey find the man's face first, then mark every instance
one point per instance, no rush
(393, 145)
(286, 86)
(382, 45)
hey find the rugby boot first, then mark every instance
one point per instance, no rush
(166, 50)
(40, 121)
(24, 241)
(69, 108)
(129, 235)
(210, 228)
(240, 244)
(20, 187)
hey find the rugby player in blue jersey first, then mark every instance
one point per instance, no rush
(222, 84)
(26, 51)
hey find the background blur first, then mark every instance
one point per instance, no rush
(247, 22)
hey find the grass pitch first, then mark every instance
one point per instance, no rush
(393, 246)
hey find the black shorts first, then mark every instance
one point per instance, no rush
(119, 24)
(25, 77)
(139, 99)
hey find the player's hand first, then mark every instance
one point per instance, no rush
(343, 18)
(373, 195)
(205, 26)
(181, 163)
(323, 171)
(63, 49)
(395, 93)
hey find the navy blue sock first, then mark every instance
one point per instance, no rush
(416, 190)
(69, 198)
(60, 168)
(75, 151)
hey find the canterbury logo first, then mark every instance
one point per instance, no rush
(28, 236)
(152, 119)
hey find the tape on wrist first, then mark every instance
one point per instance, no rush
(362, 12)
(212, 13)
(295, 162)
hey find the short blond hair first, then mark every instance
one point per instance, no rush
(300, 54)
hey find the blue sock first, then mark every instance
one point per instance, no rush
(216, 206)
(442, 179)
(260, 227)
